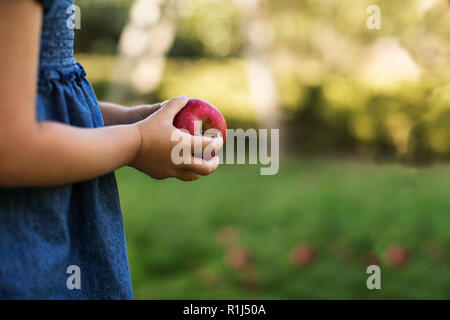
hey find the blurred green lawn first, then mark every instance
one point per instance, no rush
(343, 209)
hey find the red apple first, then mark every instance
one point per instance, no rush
(396, 255)
(199, 110)
(238, 258)
(303, 255)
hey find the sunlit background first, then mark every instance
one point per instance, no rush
(364, 116)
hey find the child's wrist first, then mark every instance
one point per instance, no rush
(138, 138)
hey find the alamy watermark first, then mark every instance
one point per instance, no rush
(374, 280)
(374, 20)
(74, 280)
(74, 20)
(258, 146)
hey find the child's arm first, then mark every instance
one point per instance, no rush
(114, 114)
(49, 153)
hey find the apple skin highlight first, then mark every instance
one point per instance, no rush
(199, 110)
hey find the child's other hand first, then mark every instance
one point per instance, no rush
(154, 157)
(114, 114)
(138, 113)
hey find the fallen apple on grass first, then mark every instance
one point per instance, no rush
(238, 258)
(302, 255)
(397, 256)
(199, 117)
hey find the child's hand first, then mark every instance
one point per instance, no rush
(154, 157)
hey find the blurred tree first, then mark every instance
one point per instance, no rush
(258, 34)
(93, 37)
(143, 47)
(150, 32)
(380, 91)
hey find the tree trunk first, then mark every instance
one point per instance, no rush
(143, 47)
(259, 72)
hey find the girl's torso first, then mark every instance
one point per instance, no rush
(45, 231)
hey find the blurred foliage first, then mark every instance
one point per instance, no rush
(332, 31)
(316, 54)
(349, 212)
(101, 25)
(207, 28)
(204, 28)
(409, 122)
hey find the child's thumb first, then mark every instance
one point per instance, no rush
(174, 105)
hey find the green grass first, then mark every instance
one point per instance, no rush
(342, 209)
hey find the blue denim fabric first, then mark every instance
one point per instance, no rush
(45, 230)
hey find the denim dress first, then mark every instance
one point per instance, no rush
(63, 242)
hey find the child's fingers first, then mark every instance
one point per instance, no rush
(188, 176)
(155, 107)
(147, 110)
(173, 106)
(213, 144)
(203, 168)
